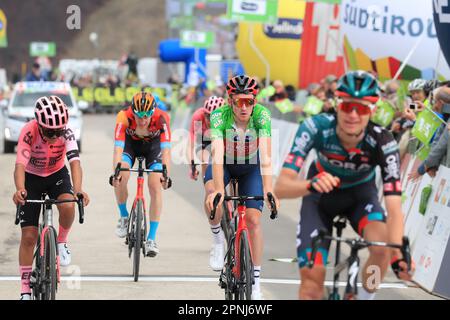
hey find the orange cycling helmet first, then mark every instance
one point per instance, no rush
(143, 104)
(213, 103)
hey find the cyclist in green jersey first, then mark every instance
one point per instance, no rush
(241, 149)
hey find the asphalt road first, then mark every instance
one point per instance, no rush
(100, 266)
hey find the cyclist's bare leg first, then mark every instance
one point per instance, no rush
(312, 283)
(253, 218)
(205, 159)
(66, 211)
(121, 191)
(209, 188)
(27, 244)
(378, 262)
(155, 189)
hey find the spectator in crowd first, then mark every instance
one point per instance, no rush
(280, 92)
(35, 74)
(291, 92)
(439, 143)
(330, 85)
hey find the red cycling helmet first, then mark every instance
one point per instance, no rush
(213, 103)
(51, 112)
(242, 85)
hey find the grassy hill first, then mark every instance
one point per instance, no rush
(122, 25)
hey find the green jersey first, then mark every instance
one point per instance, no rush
(240, 145)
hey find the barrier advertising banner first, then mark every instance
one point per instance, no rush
(379, 35)
(431, 244)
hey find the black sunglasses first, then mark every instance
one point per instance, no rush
(50, 133)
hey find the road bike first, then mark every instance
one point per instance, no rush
(236, 277)
(46, 273)
(137, 219)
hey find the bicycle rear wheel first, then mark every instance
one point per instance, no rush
(245, 281)
(48, 266)
(137, 240)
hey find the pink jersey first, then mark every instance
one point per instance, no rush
(39, 157)
(198, 126)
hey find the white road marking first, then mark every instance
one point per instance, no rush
(191, 279)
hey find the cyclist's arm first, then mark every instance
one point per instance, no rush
(389, 161)
(217, 149)
(165, 140)
(19, 176)
(23, 156)
(394, 219)
(73, 156)
(119, 137)
(288, 185)
(265, 154)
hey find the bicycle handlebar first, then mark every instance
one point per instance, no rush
(120, 169)
(79, 202)
(359, 243)
(271, 198)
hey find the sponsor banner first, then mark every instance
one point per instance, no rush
(42, 49)
(263, 11)
(280, 44)
(434, 233)
(367, 24)
(285, 29)
(321, 53)
(196, 39)
(113, 97)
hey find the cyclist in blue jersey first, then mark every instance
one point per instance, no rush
(342, 182)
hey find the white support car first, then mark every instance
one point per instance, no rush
(21, 109)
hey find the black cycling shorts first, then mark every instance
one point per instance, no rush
(150, 150)
(54, 185)
(358, 204)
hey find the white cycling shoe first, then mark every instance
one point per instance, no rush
(25, 296)
(65, 256)
(216, 257)
(151, 249)
(122, 228)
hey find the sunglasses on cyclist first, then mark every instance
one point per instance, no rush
(361, 109)
(142, 114)
(248, 102)
(51, 133)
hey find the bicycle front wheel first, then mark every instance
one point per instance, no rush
(137, 240)
(48, 266)
(245, 281)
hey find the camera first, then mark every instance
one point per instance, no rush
(413, 106)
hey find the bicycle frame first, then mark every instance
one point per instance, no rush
(241, 227)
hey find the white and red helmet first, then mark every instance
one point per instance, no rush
(51, 112)
(212, 103)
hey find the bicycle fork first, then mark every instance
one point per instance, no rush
(351, 290)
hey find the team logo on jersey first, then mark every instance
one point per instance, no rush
(27, 138)
(300, 143)
(392, 169)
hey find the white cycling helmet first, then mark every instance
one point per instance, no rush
(416, 84)
(51, 112)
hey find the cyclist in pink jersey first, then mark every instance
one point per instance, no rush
(199, 142)
(40, 168)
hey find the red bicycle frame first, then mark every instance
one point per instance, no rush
(242, 226)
